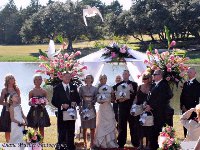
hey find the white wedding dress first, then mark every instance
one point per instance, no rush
(105, 134)
(16, 136)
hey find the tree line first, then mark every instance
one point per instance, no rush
(36, 23)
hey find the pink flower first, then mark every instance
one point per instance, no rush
(148, 52)
(169, 69)
(34, 138)
(171, 57)
(66, 55)
(177, 80)
(173, 43)
(169, 65)
(122, 50)
(113, 54)
(78, 53)
(60, 55)
(182, 74)
(146, 61)
(84, 67)
(43, 58)
(168, 78)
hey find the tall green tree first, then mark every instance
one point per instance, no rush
(9, 24)
(51, 21)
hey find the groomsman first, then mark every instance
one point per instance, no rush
(124, 113)
(63, 95)
(190, 94)
(157, 102)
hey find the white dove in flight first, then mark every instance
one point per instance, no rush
(90, 12)
(51, 51)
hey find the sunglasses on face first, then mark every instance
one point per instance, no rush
(145, 78)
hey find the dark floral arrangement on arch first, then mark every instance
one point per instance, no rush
(172, 65)
(61, 63)
(116, 52)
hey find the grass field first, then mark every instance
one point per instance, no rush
(29, 53)
(51, 133)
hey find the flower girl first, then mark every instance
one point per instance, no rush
(18, 120)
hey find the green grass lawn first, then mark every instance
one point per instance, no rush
(29, 53)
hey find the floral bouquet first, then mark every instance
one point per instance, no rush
(61, 63)
(123, 91)
(167, 140)
(39, 101)
(173, 66)
(32, 136)
(116, 52)
(104, 94)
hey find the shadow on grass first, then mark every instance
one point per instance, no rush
(35, 54)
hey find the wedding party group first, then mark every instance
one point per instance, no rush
(145, 108)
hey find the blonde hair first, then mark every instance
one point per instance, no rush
(102, 76)
(36, 76)
(198, 109)
(7, 79)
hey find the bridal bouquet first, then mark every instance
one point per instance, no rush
(104, 94)
(167, 140)
(173, 66)
(116, 52)
(60, 63)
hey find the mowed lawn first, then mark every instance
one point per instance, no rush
(30, 53)
(51, 133)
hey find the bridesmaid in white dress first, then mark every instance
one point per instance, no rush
(18, 120)
(105, 135)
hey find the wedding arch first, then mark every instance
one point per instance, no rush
(96, 63)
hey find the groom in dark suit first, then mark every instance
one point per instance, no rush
(157, 102)
(63, 95)
(190, 94)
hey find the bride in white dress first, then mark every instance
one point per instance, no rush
(105, 134)
(18, 120)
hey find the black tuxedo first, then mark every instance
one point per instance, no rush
(124, 116)
(66, 129)
(190, 97)
(159, 99)
(190, 94)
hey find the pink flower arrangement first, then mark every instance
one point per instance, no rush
(173, 67)
(116, 53)
(61, 63)
(39, 101)
(32, 136)
(167, 140)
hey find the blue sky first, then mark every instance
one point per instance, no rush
(126, 3)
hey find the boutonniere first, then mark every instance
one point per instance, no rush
(124, 85)
(105, 88)
(71, 91)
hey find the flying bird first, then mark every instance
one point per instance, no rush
(90, 12)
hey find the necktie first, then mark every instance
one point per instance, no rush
(67, 90)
